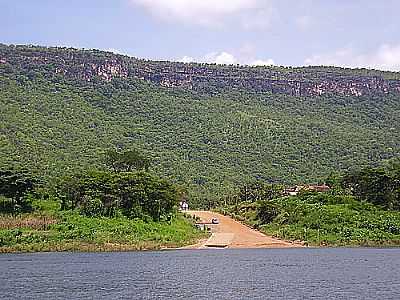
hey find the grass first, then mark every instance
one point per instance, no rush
(36, 222)
(53, 230)
(325, 221)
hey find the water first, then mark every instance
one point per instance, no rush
(204, 274)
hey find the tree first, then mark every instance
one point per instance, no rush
(134, 194)
(267, 211)
(260, 190)
(127, 161)
(375, 185)
(15, 185)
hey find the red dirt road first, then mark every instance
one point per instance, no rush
(232, 234)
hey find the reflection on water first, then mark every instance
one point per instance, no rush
(204, 274)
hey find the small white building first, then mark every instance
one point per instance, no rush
(183, 205)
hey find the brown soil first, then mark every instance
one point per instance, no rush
(232, 234)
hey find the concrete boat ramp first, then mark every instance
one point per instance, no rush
(219, 240)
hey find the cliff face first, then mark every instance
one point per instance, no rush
(92, 65)
(356, 86)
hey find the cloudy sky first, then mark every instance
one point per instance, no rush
(355, 33)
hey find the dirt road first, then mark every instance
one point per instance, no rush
(232, 234)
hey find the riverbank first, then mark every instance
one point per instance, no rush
(69, 231)
(321, 220)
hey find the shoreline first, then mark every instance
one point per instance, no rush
(128, 248)
(98, 235)
(72, 232)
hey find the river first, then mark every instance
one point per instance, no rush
(342, 273)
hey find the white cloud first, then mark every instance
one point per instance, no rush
(386, 57)
(222, 58)
(186, 59)
(226, 58)
(116, 51)
(259, 62)
(252, 13)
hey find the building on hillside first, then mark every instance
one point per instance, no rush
(293, 191)
(183, 206)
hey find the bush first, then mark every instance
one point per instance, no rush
(15, 185)
(267, 211)
(92, 207)
(7, 205)
(12, 206)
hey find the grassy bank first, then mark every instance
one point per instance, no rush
(322, 220)
(48, 229)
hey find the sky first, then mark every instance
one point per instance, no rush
(350, 33)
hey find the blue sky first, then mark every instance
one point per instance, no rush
(355, 33)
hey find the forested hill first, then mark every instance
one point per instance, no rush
(207, 127)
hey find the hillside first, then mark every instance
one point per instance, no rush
(207, 127)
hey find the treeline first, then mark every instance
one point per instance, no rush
(379, 186)
(133, 194)
(361, 208)
(126, 188)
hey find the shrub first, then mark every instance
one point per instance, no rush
(267, 211)
(92, 207)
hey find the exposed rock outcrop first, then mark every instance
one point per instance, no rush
(308, 81)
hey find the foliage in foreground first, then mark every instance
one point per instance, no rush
(14, 186)
(94, 211)
(128, 189)
(70, 231)
(362, 208)
(133, 194)
(322, 219)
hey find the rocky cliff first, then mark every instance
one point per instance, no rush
(92, 65)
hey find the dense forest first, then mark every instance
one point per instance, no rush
(207, 128)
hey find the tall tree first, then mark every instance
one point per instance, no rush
(15, 184)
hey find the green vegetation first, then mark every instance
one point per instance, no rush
(63, 109)
(96, 210)
(380, 186)
(340, 217)
(13, 187)
(195, 132)
(135, 195)
(71, 231)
